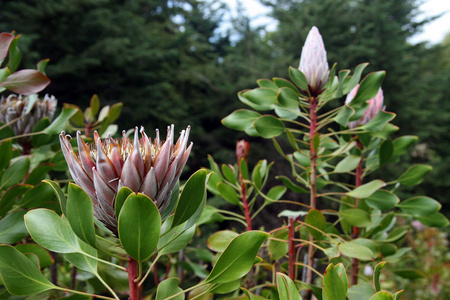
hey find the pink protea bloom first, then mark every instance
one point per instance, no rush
(102, 168)
(375, 105)
(313, 62)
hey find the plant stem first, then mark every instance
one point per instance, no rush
(313, 157)
(246, 210)
(358, 182)
(291, 247)
(133, 273)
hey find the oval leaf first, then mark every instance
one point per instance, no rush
(219, 241)
(382, 200)
(80, 214)
(366, 190)
(20, 275)
(420, 206)
(139, 226)
(238, 257)
(287, 289)
(26, 82)
(268, 126)
(333, 287)
(16, 172)
(414, 175)
(241, 119)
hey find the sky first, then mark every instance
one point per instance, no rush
(434, 32)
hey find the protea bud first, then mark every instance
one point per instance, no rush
(16, 112)
(375, 105)
(242, 149)
(313, 62)
(102, 168)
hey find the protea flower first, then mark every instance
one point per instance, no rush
(15, 111)
(375, 105)
(102, 168)
(313, 62)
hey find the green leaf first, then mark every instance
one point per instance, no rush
(80, 214)
(59, 194)
(434, 220)
(251, 296)
(26, 82)
(82, 261)
(344, 115)
(287, 288)
(382, 295)
(369, 87)
(229, 173)
(267, 83)
(348, 164)
(175, 238)
(37, 196)
(351, 84)
(316, 220)
(278, 249)
(59, 123)
(410, 274)
(9, 197)
(403, 143)
(366, 190)
(396, 234)
(333, 287)
(298, 78)
(227, 287)
(340, 270)
(378, 122)
(420, 206)
(288, 104)
(268, 126)
(292, 186)
(192, 197)
(50, 231)
(45, 259)
(94, 105)
(263, 97)
(228, 193)
(398, 294)
(139, 226)
(382, 200)
(20, 275)
(15, 56)
(16, 172)
(356, 217)
(219, 240)
(276, 192)
(121, 196)
(42, 64)
(355, 250)
(376, 275)
(386, 151)
(241, 119)
(5, 154)
(114, 112)
(238, 257)
(360, 291)
(38, 174)
(414, 175)
(167, 288)
(12, 228)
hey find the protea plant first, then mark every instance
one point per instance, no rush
(22, 113)
(313, 62)
(375, 105)
(102, 168)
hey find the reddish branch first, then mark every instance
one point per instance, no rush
(291, 245)
(133, 273)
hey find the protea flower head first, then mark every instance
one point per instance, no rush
(375, 105)
(16, 110)
(313, 62)
(242, 149)
(102, 168)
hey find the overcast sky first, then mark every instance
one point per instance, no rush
(433, 32)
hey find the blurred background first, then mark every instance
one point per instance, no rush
(183, 62)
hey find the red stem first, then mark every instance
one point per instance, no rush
(312, 132)
(246, 208)
(133, 273)
(291, 245)
(358, 182)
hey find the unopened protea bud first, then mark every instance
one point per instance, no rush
(103, 168)
(242, 149)
(313, 62)
(15, 112)
(375, 105)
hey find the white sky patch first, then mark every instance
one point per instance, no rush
(433, 32)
